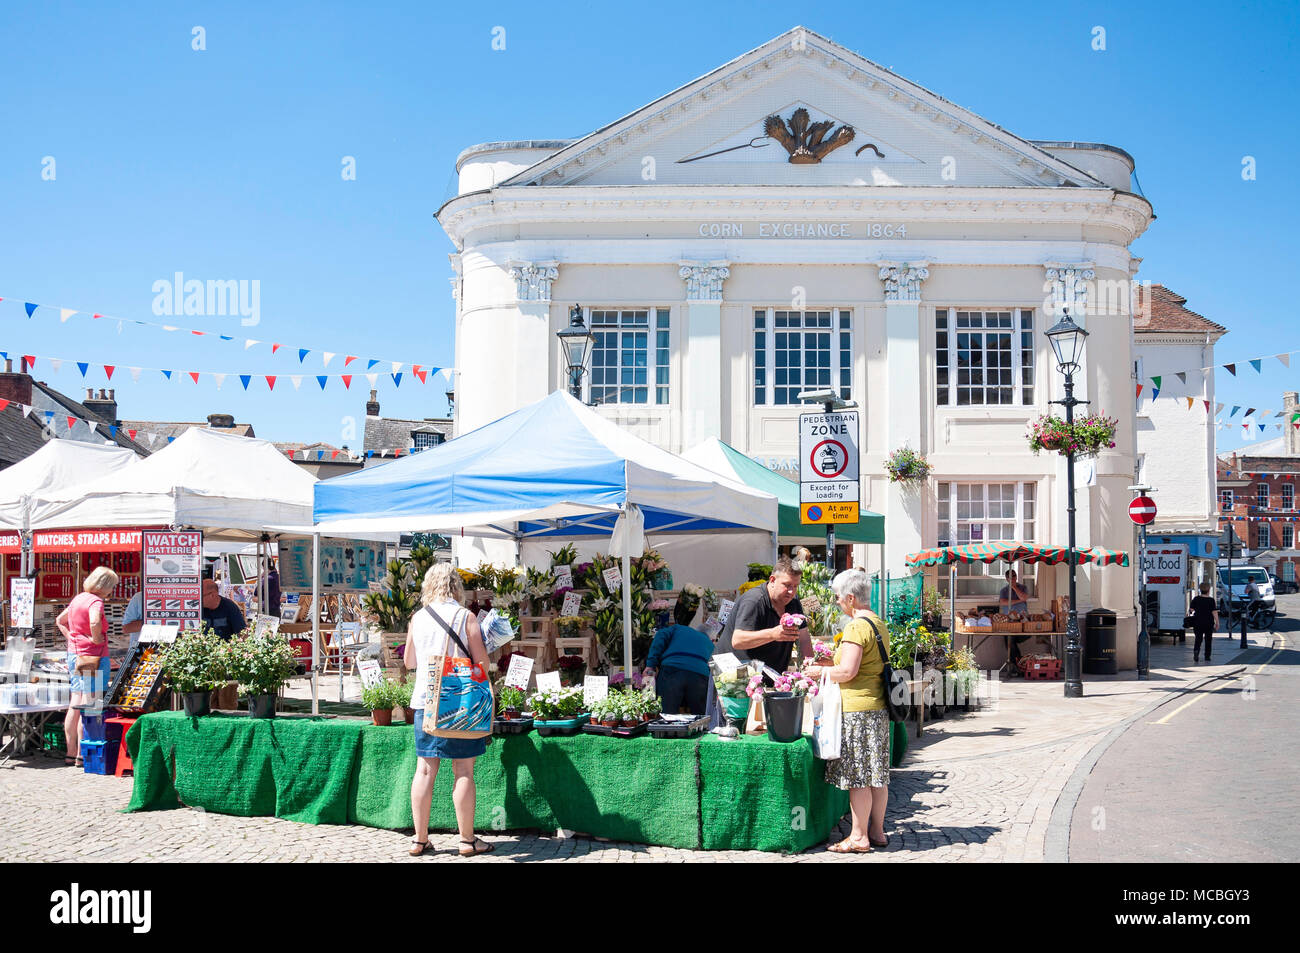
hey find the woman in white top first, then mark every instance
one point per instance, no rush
(443, 593)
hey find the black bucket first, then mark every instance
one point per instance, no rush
(197, 703)
(262, 706)
(784, 713)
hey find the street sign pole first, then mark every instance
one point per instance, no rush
(830, 527)
(1144, 637)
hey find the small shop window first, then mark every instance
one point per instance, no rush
(1261, 495)
(621, 356)
(1288, 571)
(1225, 500)
(1288, 537)
(1288, 496)
(979, 513)
(801, 350)
(984, 357)
(1261, 536)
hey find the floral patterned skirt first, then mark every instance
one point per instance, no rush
(864, 751)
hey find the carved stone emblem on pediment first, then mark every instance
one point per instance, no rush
(807, 142)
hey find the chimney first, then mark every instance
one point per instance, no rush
(104, 406)
(16, 387)
(372, 405)
(221, 421)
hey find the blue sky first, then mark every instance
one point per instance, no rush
(225, 163)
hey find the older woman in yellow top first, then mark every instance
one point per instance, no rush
(863, 766)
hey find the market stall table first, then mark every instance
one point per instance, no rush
(693, 793)
(25, 725)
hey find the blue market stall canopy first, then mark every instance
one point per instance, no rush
(554, 468)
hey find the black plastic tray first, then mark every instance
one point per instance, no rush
(560, 728)
(594, 729)
(512, 726)
(677, 729)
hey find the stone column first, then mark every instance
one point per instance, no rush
(535, 347)
(903, 508)
(702, 380)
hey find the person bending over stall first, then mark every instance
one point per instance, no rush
(679, 660)
(84, 626)
(756, 630)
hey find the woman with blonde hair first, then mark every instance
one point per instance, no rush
(442, 594)
(84, 626)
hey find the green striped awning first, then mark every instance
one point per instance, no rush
(1016, 552)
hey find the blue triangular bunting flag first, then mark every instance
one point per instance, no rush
(82, 367)
(170, 439)
(1256, 363)
(322, 379)
(112, 431)
(30, 308)
(320, 454)
(371, 364)
(397, 379)
(302, 354)
(167, 374)
(225, 337)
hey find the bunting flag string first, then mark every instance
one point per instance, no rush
(31, 307)
(1257, 363)
(85, 368)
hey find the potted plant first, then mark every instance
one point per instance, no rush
(376, 698)
(649, 706)
(961, 678)
(557, 704)
(1086, 437)
(604, 711)
(629, 709)
(783, 703)
(572, 668)
(758, 572)
(510, 702)
(823, 652)
(261, 665)
(400, 694)
(907, 466)
(194, 666)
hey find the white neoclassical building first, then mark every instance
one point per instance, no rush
(802, 218)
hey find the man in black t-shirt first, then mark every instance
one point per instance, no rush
(219, 613)
(754, 631)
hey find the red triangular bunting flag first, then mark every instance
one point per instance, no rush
(72, 422)
(349, 359)
(274, 348)
(96, 317)
(132, 433)
(270, 380)
(109, 369)
(289, 454)
(347, 381)
(419, 372)
(1207, 405)
(195, 376)
(3, 404)
(334, 455)
(199, 333)
(1139, 393)
(30, 359)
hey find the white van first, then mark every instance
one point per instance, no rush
(1240, 576)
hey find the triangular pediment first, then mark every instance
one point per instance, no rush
(801, 110)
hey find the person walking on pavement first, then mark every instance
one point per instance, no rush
(1205, 619)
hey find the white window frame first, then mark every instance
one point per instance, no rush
(948, 535)
(1226, 500)
(1262, 533)
(1262, 495)
(1288, 496)
(763, 377)
(1288, 536)
(657, 395)
(947, 371)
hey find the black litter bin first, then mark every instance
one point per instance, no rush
(1099, 643)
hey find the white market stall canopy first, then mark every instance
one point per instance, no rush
(222, 484)
(56, 467)
(554, 469)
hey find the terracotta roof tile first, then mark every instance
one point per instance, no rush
(1163, 310)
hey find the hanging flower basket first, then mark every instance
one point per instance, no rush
(905, 465)
(1086, 437)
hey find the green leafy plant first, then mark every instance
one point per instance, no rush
(911, 642)
(564, 556)
(510, 697)
(392, 610)
(758, 572)
(195, 662)
(261, 664)
(816, 582)
(906, 465)
(556, 704)
(376, 697)
(1086, 437)
(401, 691)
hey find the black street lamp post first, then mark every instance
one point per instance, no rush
(1067, 339)
(577, 341)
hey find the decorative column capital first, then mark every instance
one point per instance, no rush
(1067, 286)
(902, 279)
(533, 279)
(704, 279)
(457, 279)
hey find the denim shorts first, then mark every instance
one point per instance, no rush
(87, 683)
(430, 746)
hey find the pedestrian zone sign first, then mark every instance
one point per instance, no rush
(828, 467)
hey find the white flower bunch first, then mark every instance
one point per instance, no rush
(694, 589)
(602, 603)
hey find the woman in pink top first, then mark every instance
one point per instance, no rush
(82, 624)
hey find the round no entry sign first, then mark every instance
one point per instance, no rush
(1142, 510)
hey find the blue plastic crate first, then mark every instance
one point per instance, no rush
(92, 727)
(100, 757)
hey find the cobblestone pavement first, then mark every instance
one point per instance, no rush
(976, 787)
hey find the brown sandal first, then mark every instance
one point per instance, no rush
(847, 846)
(418, 847)
(474, 849)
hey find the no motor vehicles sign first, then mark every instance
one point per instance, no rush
(828, 467)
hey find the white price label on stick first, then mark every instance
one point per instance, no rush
(713, 626)
(811, 605)
(563, 577)
(594, 688)
(727, 662)
(572, 603)
(613, 577)
(548, 682)
(369, 671)
(724, 612)
(520, 670)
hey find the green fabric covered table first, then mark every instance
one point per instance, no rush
(750, 793)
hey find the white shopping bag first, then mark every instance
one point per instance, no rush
(826, 709)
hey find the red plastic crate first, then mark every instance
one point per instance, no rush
(1037, 669)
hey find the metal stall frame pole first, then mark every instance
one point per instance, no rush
(627, 618)
(315, 625)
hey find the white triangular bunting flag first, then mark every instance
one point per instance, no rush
(168, 327)
(397, 366)
(249, 343)
(65, 313)
(27, 409)
(447, 373)
(135, 373)
(220, 379)
(1285, 359)
(326, 357)
(56, 363)
(119, 327)
(296, 379)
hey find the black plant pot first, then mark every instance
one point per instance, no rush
(784, 714)
(262, 706)
(196, 703)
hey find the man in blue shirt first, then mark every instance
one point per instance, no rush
(133, 618)
(679, 660)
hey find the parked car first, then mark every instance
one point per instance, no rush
(1240, 576)
(1284, 587)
